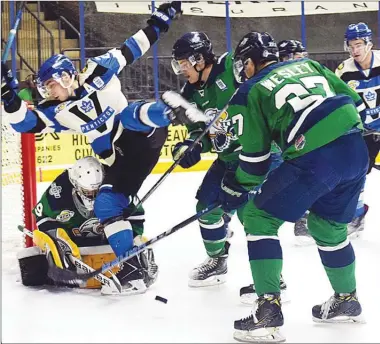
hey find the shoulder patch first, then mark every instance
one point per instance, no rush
(55, 190)
(353, 84)
(341, 66)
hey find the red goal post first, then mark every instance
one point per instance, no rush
(19, 186)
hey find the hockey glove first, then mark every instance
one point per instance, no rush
(9, 97)
(232, 195)
(164, 14)
(190, 158)
(183, 111)
(7, 76)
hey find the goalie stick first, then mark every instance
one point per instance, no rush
(68, 276)
(103, 279)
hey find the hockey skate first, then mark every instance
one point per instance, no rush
(211, 272)
(339, 308)
(263, 324)
(248, 294)
(301, 232)
(131, 277)
(357, 225)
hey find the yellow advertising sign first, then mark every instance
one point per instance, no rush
(56, 152)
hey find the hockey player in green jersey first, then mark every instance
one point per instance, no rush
(313, 116)
(210, 85)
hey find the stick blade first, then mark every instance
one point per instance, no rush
(65, 276)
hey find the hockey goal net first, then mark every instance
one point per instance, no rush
(18, 192)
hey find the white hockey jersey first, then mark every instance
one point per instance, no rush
(98, 102)
(366, 83)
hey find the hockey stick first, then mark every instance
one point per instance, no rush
(371, 132)
(188, 150)
(68, 276)
(12, 32)
(81, 265)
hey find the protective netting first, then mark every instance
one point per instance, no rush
(12, 191)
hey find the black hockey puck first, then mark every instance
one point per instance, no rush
(162, 299)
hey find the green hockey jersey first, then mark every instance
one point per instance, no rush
(211, 98)
(59, 208)
(300, 105)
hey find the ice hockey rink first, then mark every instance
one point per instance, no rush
(40, 315)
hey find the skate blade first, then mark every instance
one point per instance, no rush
(262, 335)
(208, 282)
(249, 299)
(359, 319)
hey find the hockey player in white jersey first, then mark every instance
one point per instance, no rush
(362, 73)
(128, 137)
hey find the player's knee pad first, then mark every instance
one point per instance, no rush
(57, 245)
(326, 232)
(110, 204)
(33, 266)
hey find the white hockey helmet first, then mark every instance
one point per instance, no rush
(87, 175)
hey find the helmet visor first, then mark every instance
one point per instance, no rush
(238, 69)
(44, 87)
(358, 49)
(181, 66)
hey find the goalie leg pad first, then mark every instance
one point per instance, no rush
(33, 266)
(96, 261)
(56, 248)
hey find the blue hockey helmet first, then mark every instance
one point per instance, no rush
(193, 46)
(358, 31)
(259, 47)
(59, 68)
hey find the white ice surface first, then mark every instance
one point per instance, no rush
(38, 315)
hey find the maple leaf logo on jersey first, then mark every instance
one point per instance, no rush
(86, 106)
(369, 96)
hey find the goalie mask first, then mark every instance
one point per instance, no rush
(86, 176)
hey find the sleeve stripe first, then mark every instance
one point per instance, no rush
(144, 115)
(254, 159)
(257, 169)
(19, 115)
(361, 107)
(142, 40)
(45, 219)
(133, 47)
